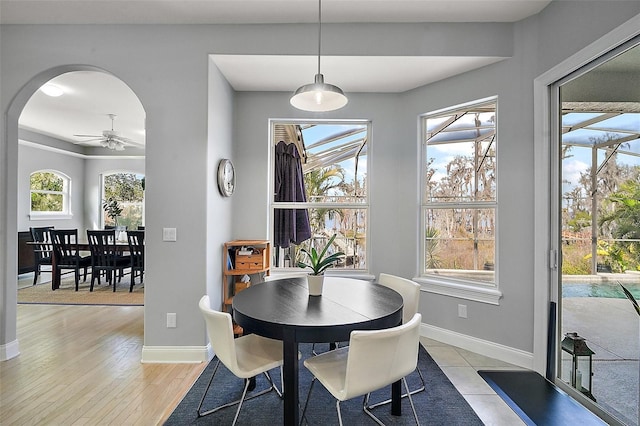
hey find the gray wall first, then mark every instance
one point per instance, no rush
(194, 119)
(85, 184)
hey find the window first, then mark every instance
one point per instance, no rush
(459, 194)
(319, 178)
(49, 194)
(126, 191)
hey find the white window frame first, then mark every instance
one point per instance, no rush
(66, 198)
(102, 196)
(347, 272)
(468, 289)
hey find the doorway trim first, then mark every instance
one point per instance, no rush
(9, 345)
(545, 248)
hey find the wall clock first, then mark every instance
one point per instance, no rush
(226, 177)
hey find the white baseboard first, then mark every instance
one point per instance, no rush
(483, 347)
(9, 350)
(176, 354)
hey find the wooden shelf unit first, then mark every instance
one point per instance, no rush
(235, 266)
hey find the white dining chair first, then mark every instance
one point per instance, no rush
(410, 292)
(373, 360)
(246, 356)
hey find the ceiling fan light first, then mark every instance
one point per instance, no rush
(318, 96)
(52, 90)
(119, 146)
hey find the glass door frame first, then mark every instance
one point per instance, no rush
(547, 192)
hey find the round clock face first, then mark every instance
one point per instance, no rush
(226, 177)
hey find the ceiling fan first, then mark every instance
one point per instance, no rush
(110, 138)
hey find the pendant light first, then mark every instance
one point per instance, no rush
(319, 96)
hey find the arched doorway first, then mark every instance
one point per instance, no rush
(11, 219)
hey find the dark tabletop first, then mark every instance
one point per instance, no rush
(345, 305)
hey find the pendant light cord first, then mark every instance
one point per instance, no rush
(319, 31)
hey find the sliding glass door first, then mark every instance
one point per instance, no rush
(598, 154)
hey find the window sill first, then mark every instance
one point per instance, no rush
(292, 272)
(478, 293)
(50, 216)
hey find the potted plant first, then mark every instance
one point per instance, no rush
(318, 264)
(113, 210)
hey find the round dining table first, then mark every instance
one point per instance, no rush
(282, 309)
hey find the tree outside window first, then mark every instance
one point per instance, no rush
(49, 192)
(333, 177)
(459, 192)
(127, 189)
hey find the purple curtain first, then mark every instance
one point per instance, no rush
(290, 225)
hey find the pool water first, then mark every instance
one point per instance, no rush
(609, 290)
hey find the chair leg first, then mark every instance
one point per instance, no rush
(239, 401)
(404, 395)
(367, 408)
(244, 394)
(332, 346)
(36, 272)
(304, 410)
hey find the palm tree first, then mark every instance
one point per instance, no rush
(319, 184)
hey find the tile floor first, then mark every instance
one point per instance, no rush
(461, 368)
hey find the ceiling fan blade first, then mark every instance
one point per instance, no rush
(88, 136)
(92, 140)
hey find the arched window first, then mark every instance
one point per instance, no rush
(49, 194)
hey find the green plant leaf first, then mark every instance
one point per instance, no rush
(630, 297)
(317, 262)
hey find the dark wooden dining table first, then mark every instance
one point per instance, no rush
(282, 309)
(83, 246)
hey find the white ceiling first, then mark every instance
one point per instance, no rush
(262, 11)
(90, 97)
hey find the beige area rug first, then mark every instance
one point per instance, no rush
(67, 294)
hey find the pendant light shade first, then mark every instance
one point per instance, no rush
(319, 96)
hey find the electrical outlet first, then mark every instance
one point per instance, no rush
(462, 311)
(172, 320)
(169, 234)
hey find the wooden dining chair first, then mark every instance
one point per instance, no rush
(246, 356)
(42, 249)
(105, 256)
(373, 360)
(67, 254)
(136, 253)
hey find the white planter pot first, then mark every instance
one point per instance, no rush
(315, 283)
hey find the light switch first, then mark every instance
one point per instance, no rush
(172, 320)
(168, 234)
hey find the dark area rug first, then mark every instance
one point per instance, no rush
(440, 404)
(538, 401)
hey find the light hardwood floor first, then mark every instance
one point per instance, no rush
(81, 365)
